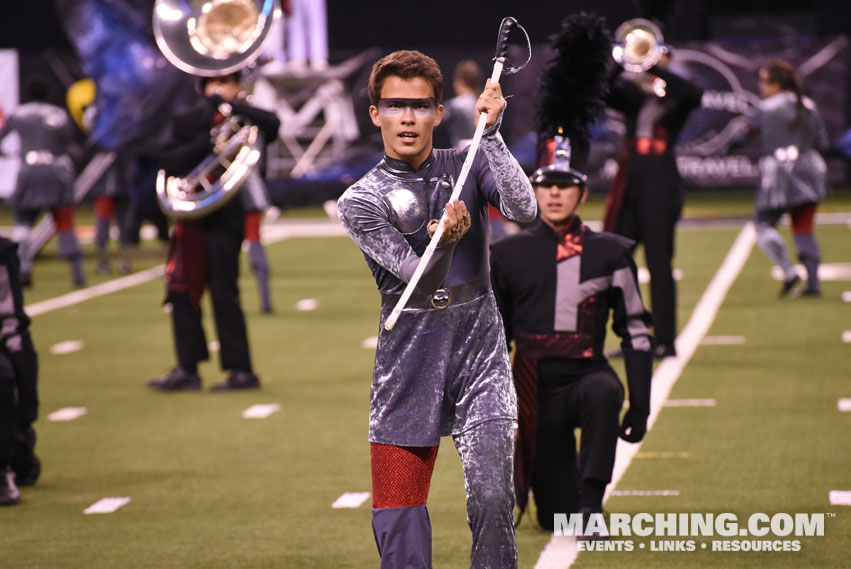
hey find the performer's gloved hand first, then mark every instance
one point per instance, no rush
(457, 223)
(634, 426)
(215, 100)
(491, 102)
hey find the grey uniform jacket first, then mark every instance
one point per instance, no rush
(793, 171)
(438, 372)
(46, 177)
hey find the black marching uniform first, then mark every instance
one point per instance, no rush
(205, 252)
(18, 381)
(646, 196)
(555, 293)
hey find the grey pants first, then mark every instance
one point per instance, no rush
(403, 535)
(774, 247)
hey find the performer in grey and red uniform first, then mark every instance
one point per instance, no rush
(46, 178)
(444, 369)
(556, 284)
(794, 174)
(646, 196)
(204, 253)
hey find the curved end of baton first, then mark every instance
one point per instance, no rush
(505, 27)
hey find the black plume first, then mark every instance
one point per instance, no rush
(576, 79)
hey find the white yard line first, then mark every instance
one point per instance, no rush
(66, 347)
(67, 414)
(261, 410)
(107, 505)
(272, 233)
(839, 497)
(690, 403)
(350, 500)
(561, 551)
(95, 291)
(723, 340)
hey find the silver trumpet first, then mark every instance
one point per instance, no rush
(211, 38)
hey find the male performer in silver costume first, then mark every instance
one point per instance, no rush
(444, 368)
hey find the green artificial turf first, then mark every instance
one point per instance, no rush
(212, 490)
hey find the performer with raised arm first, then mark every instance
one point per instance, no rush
(556, 284)
(646, 196)
(444, 369)
(794, 174)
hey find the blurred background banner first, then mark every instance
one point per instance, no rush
(719, 44)
(709, 156)
(9, 162)
(136, 87)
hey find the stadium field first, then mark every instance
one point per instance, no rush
(753, 422)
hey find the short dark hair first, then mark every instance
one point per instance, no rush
(406, 64)
(469, 73)
(235, 77)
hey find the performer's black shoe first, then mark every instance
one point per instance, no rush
(237, 380)
(25, 464)
(788, 285)
(9, 493)
(661, 351)
(594, 535)
(26, 280)
(177, 379)
(811, 292)
(103, 267)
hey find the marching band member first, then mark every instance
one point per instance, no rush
(205, 252)
(46, 178)
(556, 283)
(646, 197)
(19, 465)
(444, 369)
(794, 174)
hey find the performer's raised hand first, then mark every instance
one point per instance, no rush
(491, 102)
(455, 225)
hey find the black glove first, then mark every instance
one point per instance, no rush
(215, 100)
(634, 426)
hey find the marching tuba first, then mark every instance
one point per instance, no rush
(212, 38)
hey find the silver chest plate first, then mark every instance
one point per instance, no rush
(408, 210)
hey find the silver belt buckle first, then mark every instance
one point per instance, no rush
(441, 299)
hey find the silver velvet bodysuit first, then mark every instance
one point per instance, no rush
(438, 372)
(793, 172)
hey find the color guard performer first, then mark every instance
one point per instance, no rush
(444, 369)
(46, 178)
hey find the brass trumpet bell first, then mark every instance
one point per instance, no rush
(639, 45)
(212, 37)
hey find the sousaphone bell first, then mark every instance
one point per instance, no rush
(212, 38)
